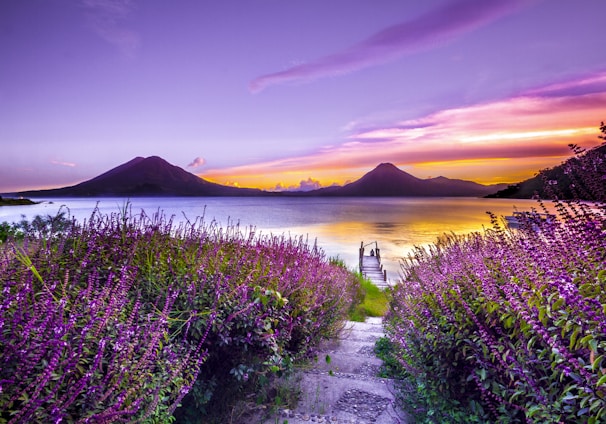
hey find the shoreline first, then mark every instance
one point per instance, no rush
(4, 201)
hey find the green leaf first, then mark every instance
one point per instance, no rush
(508, 322)
(601, 381)
(573, 338)
(515, 395)
(596, 404)
(585, 340)
(557, 304)
(531, 342)
(596, 362)
(533, 410)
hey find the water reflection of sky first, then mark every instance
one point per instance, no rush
(338, 225)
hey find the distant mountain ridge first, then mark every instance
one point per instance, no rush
(154, 176)
(386, 180)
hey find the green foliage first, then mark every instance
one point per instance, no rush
(386, 351)
(41, 227)
(9, 231)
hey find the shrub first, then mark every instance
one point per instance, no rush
(509, 326)
(122, 316)
(41, 227)
(7, 231)
(80, 343)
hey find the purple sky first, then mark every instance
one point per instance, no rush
(270, 93)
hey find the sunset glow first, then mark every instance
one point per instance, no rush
(299, 94)
(530, 134)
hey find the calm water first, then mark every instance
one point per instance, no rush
(338, 225)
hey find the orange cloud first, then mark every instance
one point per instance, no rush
(501, 141)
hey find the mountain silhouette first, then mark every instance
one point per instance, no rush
(154, 176)
(151, 176)
(386, 180)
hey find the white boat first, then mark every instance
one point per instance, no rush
(530, 218)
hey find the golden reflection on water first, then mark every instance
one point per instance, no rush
(398, 225)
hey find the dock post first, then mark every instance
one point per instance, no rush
(384, 275)
(361, 255)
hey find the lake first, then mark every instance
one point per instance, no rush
(338, 225)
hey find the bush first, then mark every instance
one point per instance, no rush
(7, 231)
(509, 326)
(41, 227)
(125, 317)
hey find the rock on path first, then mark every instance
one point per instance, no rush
(343, 386)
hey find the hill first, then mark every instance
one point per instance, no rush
(552, 181)
(386, 180)
(151, 176)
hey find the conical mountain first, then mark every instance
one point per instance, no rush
(387, 180)
(151, 176)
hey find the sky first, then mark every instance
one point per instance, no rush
(297, 94)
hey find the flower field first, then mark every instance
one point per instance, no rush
(509, 325)
(132, 318)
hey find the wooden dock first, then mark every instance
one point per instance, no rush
(371, 267)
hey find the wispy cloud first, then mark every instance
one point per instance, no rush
(592, 83)
(534, 128)
(105, 18)
(438, 26)
(197, 162)
(61, 163)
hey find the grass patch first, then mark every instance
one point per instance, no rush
(374, 301)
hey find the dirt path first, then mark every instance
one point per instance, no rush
(343, 386)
